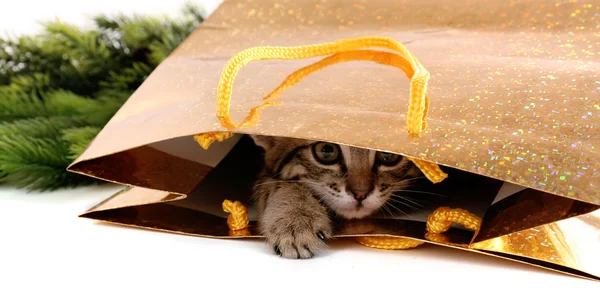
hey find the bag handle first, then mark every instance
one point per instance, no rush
(438, 222)
(380, 57)
(418, 84)
(342, 50)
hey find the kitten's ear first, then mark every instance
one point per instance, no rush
(263, 141)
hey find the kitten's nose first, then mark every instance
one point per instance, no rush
(359, 195)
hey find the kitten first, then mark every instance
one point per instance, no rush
(303, 181)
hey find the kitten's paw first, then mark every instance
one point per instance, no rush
(300, 240)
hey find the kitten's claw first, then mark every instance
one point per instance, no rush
(321, 235)
(294, 223)
(308, 249)
(302, 243)
(305, 251)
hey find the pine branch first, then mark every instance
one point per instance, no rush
(40, 127)
(128, 78)
(32, 162)
(60, 87)
(79, 139)
(17, 104)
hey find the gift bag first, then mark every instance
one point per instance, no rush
(496, 102)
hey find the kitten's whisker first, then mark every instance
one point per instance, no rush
(411, 202)
(403, 184)
(380, 210)
(344, 176)
(397, 209)
(387, 210)
(405, 204)
(422, 192)
(408, 199)
(272, 177)
(407, 180)
(392, 212)
(414, 201)
(402, 196)
(289, 181)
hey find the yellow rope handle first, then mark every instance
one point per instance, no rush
(418, 85)
(409, 65)
(438, 222)
(384, 58)
(430, 170)
(388, 243)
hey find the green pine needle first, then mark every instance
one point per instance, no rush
(39, 127)
(58, 89)
(78, 139)
(36, 164)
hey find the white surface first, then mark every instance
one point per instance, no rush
(49, 254)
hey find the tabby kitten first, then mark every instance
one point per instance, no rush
(304, 181)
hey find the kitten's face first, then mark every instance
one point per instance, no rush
(353, 182)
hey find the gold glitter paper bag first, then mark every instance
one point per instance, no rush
(513, 120)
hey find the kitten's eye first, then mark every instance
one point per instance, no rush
(388, 159)
(326, 153)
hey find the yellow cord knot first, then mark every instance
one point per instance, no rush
(206, 139)
(442, 218)
(432, 171)
(438, 222)
(238, 218)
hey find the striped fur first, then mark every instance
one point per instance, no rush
(296, 192)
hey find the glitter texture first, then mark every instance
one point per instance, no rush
(514, 88)
(572, 243)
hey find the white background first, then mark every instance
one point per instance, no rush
(47, 253)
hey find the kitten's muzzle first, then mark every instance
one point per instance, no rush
(360, 194)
